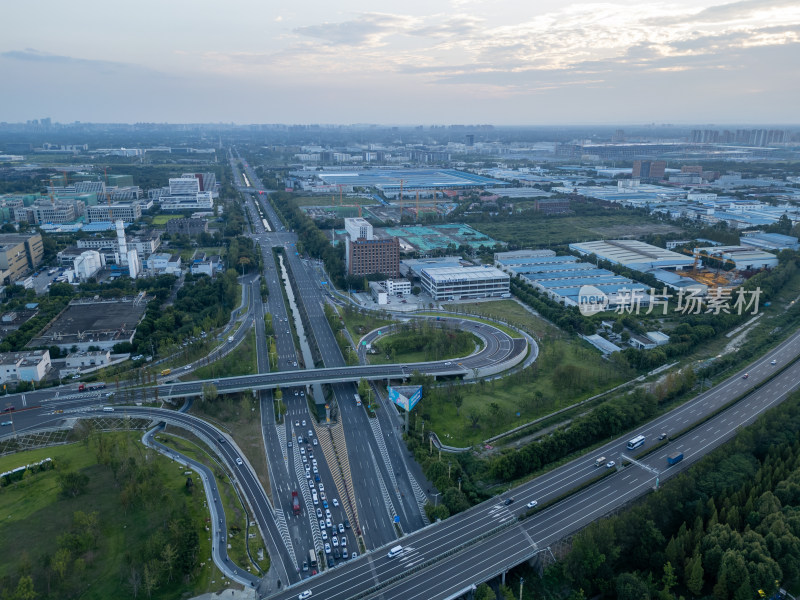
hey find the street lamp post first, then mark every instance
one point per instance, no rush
(521, 581)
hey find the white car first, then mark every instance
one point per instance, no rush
(314, 462)
(304, 595)
(308, 474)
(327, 548)
(328, 523)
(532, 504)
(319, 513)
(335, 502)
(321, 524)
(322, 495)
(302, 450)
(328, 512)
(314, 441)
(316, 470)
(343, 541)
(335, 541)
(321, 487)
(303, 456)
(304, 421)
(239, 462)
(324, 533)
(310, 483)
(610, 464)
(341, 528)
(310, 433)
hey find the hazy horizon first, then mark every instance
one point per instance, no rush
(506, 63)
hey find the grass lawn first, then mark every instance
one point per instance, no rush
(332, 201)
(413, 356)
(540, 231)
(361, 323)
(35, 515)
(241, 361)
(503, 328)
(235, 516)
(240, 414)
(162, 219)
(568, 370)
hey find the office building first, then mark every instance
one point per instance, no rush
(648, 169)
(358, 229)
(122, 211)
(184, 186)
(367, 257)
(88, 264)
(19, 253)
(459, 283)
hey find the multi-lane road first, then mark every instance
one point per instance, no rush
(446, 558)
(492, 539)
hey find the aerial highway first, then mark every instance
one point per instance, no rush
(492, 540)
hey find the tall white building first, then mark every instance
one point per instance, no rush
(358, 228)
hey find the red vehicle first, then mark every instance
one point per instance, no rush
(295, 503)
(91, 387)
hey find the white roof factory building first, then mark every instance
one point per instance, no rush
(461, 283)
(634, 255)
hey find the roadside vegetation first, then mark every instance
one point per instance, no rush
(112, 519)
(726, 528)
(419, 341)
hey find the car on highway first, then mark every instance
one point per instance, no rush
(532, 504)
(327, 548)
(773, 362)
(335, 541)
(308, 474)
(314, 441)
(343, 541)
(319, 513)
(316, 470)
(310, 433)
(663, 436)
(221, 440)
(328, 513)
(305, 594)
(323, 496)
(239, 461)
(354, 555)
(746, 375)
(316, 476)
(321, 524)
(610, 464)
(335, 502)
(297, 423)
(4, 423)
(305, 460)
(304, 423)
(336, 554)
(289, 443)
(346, 524)
(324, 533)
(341, 528)
(328, 523)
(508, 501)
(302, 450)
(344, 554)
(325, 503)
(321, 487)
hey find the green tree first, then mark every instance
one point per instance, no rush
(694, 573)
(73, 483)
(210, 393)
(484, 592)
(25, 589)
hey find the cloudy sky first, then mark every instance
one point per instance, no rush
(410, 62)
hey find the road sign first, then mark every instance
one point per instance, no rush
(396, 519)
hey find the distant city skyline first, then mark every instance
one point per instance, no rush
(462, 61)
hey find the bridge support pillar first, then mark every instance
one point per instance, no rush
(503, 578)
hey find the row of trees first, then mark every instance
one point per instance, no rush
(727, 528)
(311, 240)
